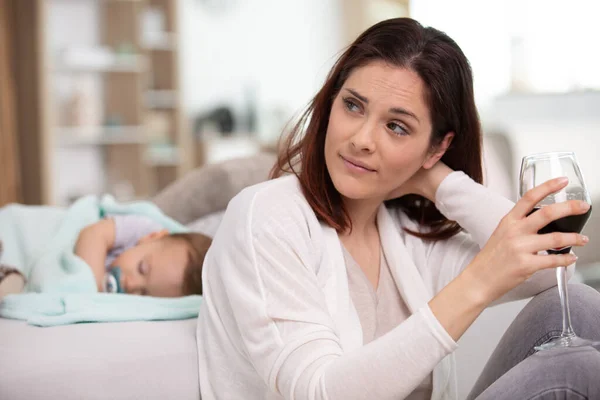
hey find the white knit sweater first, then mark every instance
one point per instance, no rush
(277, 321)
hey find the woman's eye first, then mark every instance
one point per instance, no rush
(351, 106)
(397, 129)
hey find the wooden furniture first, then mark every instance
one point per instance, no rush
(106, 80)
(10, 189)
(30, 97)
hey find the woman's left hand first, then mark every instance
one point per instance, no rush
(425, 182)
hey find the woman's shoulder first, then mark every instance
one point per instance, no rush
(285, 186)
(279, 199)
(402, 221)
(278, 193)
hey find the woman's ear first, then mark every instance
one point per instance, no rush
(441, 149)
(153, 235)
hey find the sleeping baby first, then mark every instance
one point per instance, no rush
(132, 254)
(143, 257)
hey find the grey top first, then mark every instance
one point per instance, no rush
(380, 310)
(129, 229)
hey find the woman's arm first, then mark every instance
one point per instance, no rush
(476, 208)
(510, 257)
(479, 211)
(92, 246)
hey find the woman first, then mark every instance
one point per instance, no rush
(348, 277)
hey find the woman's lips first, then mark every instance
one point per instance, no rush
(357, 166)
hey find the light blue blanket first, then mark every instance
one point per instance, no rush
(61, 288)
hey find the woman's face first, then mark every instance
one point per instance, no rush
(379, 132)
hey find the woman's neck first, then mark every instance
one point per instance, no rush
(363, 215)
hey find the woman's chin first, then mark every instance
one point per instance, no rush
(353, 190)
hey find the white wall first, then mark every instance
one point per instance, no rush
(481, 30)
(551, 122)
(558, 41)
(282, 47)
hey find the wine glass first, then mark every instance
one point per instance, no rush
(535, 170)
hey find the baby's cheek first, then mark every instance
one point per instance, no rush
(117, 261)
(124, 261)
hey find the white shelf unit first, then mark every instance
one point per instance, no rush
(157, 99)
(99, 136)
(166, 41)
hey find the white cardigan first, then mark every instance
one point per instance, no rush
(277, 321)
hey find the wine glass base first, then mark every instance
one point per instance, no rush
(567, 341)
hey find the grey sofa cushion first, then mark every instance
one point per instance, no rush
(209, 189)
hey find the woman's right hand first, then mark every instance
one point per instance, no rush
(513, 252)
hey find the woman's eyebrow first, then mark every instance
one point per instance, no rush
(403, 111)
(393, 110)
(358, 96)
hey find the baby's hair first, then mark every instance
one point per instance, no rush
(198, 245)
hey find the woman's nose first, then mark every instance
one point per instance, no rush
(363, 138)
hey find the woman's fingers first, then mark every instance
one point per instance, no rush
(553, 261)
(556, 240)
(542, 217)
(532, 197)
(512, 252)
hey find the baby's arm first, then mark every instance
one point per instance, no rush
(93, 245)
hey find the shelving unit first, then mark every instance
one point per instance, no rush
(133, 64)
(162, 97)
(99, 135)
(115, 119)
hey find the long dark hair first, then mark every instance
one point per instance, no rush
(448, 81)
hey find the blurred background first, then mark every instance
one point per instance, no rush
(126, 96)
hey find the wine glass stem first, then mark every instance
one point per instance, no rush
(561, 278)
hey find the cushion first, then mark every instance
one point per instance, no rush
(209, 189)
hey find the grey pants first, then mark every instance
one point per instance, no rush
(514, 372)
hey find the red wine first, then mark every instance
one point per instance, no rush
(572, 223)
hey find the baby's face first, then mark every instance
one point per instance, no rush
(154, 267)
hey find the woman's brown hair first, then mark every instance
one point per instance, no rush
(448, 81)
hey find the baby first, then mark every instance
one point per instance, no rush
(152, 261)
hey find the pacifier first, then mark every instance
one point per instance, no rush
(112, 281)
